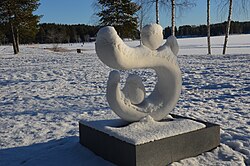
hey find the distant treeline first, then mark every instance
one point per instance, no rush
(54, 33)
(61, 33)
(216, 29)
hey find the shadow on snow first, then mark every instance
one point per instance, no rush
(63, 152)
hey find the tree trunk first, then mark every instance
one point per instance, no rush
(141, 21)
(228, 25)
(208, 27)
(173, 18)
(13, 38)
(157, 12)
(17, 40)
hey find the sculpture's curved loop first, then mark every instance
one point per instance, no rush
(116, 54)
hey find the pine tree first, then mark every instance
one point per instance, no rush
(19, 17)
(120, 15)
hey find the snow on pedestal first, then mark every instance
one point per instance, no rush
(144, 131)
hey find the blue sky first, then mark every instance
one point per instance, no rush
(81, 11)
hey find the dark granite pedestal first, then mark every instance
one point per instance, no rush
(154, 153)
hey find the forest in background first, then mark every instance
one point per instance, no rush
(61, 33)
(55, 33)
(215, 29)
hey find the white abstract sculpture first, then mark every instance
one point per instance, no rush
(130, 104)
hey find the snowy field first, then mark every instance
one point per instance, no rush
(43, 95)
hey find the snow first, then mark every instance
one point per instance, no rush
(152, 36)
(43, 95)
(237, 44)
(144, 131)
(134, 89)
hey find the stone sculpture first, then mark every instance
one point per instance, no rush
(130, 103)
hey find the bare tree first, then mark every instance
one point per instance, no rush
(181, 5)
(208, 27)
(96, 8)
(241, 7)
(228, 26)
(173, 4)
(13, 38)
(158, 3)
(142, 13)
(157, 16)
(173, 17)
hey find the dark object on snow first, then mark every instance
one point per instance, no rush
(78, 50)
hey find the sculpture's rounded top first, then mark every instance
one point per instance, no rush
(152, 36)
(106, 35)
(107, 29)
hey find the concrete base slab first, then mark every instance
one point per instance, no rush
(159, 152)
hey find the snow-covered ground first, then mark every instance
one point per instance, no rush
(43, 95)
